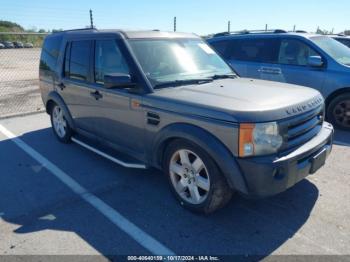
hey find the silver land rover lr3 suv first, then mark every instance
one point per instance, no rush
(167, 100)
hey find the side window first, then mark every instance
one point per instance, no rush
(108, 59)
(77, 60)
(254, 50)
(295, 52)
(66, 60)
(220, 47)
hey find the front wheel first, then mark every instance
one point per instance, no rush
(195, 178)
(60, 125)
(338, 111)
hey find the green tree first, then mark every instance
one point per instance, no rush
(323, 31)
(56, 30)
(7, 26)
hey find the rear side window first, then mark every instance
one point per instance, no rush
(77, 59)
(108, 59)
(253, 50)
(50, 52)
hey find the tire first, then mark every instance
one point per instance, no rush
(338, 111)
(194, 177)
(59, 124)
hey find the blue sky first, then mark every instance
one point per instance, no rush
(198, 16)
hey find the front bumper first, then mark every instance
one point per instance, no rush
(266, 176)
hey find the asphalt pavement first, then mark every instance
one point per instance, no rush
(58, 199)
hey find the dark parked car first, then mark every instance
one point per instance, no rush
(18, 44)
(345, 40)
(167, 100)
(315, 61)
(8, 44)
(2, 46)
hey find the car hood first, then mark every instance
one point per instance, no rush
(241, 99)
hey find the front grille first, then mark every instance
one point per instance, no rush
(300, 129)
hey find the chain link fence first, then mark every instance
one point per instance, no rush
(19, 74)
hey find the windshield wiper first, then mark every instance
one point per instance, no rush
(183, 82)
(223, 76)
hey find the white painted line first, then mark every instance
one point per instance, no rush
(141, 237)
(113, 159)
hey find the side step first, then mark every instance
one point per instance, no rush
(113, 159)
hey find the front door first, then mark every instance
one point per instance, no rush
(293, 64)
(118, 117)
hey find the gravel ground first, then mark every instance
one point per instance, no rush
(19, 85)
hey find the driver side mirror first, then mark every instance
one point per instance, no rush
(118, 80)
(315, 61)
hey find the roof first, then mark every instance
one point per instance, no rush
(261, 34)
(129, 34)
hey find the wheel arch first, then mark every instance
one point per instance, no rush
(335, 94)
(54, 98)
(202, 138)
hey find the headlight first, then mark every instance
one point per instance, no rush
(259, 139)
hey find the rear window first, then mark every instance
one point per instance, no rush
(253, 50)
(50, 52)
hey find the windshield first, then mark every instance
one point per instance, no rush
(178, 60)
(336, 50)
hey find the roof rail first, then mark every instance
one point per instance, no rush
(221, 34)
(242, 32)
(78, 29)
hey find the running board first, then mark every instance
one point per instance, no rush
(113, 159)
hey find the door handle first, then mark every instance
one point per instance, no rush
(61, 86)
(97, 95)
(270, 70)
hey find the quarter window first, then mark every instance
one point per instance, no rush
(50, 52)
(108, 59)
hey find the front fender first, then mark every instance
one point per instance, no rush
(217, 150)
(56, 98)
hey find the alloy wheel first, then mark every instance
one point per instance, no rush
(341, 113)
(189, 176)
(59, 122)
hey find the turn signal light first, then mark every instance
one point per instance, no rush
(246, 143)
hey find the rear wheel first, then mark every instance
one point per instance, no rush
(338, 112)
(60, 125)
(194, 177)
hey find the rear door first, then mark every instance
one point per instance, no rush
(75, 87)
(252, 56)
